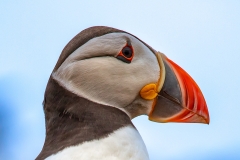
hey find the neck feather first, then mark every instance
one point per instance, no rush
(71, 120)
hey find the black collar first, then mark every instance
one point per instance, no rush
(71, 120)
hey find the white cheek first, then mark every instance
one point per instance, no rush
(102, 81)
(107, 80)
(125, 143)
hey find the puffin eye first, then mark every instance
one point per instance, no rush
(126, 54)
(127, 51)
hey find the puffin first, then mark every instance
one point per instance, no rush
(103, 79)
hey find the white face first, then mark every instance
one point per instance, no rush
(93, 72)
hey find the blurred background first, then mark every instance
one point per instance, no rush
(203, 37)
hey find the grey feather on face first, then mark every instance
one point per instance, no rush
(93, 72)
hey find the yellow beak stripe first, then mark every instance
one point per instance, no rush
(150, 91)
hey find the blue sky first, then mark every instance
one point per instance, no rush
(203, 37)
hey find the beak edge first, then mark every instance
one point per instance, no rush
(194, 107)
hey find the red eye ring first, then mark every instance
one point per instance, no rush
(126, 54)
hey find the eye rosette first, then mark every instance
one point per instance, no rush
(126, 54)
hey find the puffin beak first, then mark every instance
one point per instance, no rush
(180, 99)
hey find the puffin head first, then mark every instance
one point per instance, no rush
(116, 69)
